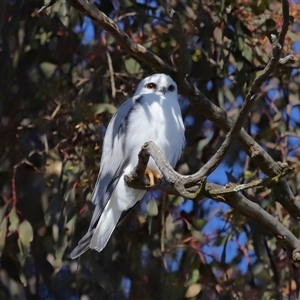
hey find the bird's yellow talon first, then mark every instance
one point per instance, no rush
(151, 174)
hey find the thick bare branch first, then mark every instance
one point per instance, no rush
(174, 183)
(190, 185)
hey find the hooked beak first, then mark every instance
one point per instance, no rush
(162, 89)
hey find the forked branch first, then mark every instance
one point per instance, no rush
(177, 184)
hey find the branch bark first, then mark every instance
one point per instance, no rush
(174, 183)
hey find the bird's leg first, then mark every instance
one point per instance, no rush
(151, 174)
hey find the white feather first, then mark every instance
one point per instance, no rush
(155, 117)
(106, 225)
(121, 199)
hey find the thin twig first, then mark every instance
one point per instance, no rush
(58, 107)
(16, 166)
(112, 77)
(46, 6)
(13, 186)
(163, 224)
(266, 182)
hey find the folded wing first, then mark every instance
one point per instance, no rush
(115, 157)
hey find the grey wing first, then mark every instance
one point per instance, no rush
(114, 159)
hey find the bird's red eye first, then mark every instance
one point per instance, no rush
(171, 88)
(151, 86)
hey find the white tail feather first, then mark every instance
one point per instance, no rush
(106, 225)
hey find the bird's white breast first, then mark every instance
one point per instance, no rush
(157, 118)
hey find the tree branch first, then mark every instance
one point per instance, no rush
(201, 103)
(121, 37)
(174, 183)
(50, 3)
(191, 185)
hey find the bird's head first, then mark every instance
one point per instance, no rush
(158, 84)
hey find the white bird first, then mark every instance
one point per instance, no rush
(152, 114)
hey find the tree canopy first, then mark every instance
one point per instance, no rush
(225, 223)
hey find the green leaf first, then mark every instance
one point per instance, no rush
(258, 268)
(147, 27)
(3, 231)
(240, 66)
(224, 252)
(152, 209)
(2, 212)
(132, 66)
(229, 95)
(262, 4)
(170, 227)
(48, 69)
(156, 252)
(70, 195)
(248, 174)
(63, 13)
(194, 277)
(199, 223)
(22, 253)
(70, 226)
(55, 232)
(177, 200)
(197, 235)
(13, 220)
(247, 53)
(103, 107)
(60, 250)
(25, 234)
